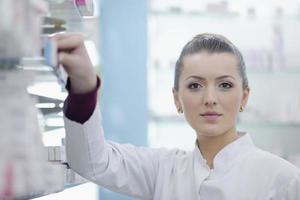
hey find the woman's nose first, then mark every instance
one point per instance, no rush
(210, 97)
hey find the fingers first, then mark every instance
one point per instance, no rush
(67, 41)
(59, 36)
(66, 60)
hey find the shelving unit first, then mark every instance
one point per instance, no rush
(32, 157)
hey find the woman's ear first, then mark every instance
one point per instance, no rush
(246, 93)
(176, 100)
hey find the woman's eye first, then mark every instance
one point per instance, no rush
(226, 85)
(194, 86)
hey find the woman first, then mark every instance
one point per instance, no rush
(210, 88)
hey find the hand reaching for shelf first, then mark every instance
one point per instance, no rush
(73, 56)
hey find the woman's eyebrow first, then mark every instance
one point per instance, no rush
(225, 76)
(203, 79)
(196, 77)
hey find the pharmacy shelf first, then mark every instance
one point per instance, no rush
(33, 163)
(55, 154)
(60, 188)
(31, 166)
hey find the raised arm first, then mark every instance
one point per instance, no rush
(122, 168)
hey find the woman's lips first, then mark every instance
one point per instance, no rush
(211, 116)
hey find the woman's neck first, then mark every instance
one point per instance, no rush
(211, 145)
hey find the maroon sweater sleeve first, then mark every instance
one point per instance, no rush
(79, 107)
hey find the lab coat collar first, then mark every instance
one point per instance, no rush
(226, 158)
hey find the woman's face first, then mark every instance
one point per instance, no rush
(210, 92)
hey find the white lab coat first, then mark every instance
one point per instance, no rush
(241, 170)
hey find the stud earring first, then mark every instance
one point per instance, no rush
(241, 108)
(179, 110)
